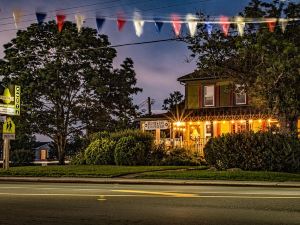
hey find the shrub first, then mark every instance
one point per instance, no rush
(78, 159)
(158, 155)
(145, 140)
(100, 152)
(254, 151)
(181, 157)
(22, 157)
(130, 152)
(99, 135)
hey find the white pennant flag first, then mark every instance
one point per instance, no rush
(240, 22)
(138, 23)
(284, 23)
(192, 23)
(17, 14)
(79, 21)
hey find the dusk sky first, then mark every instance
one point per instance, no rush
(158, 65)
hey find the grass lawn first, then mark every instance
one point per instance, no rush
(156, 172)
(81, 171)
(223, 175)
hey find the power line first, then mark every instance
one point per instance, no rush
(110, 46)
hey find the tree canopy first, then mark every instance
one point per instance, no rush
(266, 63)
(68, 81)
(172, 101)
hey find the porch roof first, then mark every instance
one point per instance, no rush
(213, 113)
(226, 113)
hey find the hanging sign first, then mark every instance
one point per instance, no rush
(10, 100)
(159, 124)
(9, 129)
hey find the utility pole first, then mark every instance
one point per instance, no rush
(149, 106)
(6, 153)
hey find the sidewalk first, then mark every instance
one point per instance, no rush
(152, 181)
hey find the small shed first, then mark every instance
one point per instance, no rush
(41, 151)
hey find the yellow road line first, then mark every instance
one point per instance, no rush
(170, 194)
(150, 194)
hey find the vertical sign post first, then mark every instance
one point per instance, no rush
(9, 133)
(9, 105)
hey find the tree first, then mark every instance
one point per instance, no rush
(172, 101)
(68, 82)
(267, 63)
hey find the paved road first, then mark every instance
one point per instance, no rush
(89, 204)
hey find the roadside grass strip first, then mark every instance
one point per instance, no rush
(222, 175)
(101, 171)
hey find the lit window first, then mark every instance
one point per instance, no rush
(209, 95)
(240, 95)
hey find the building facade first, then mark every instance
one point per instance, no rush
(213, 106)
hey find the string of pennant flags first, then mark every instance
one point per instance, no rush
(175, 20)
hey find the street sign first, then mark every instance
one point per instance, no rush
(159, 124)
(9, 129)
(10, 100)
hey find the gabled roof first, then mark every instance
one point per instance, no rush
(39, 144)
(200, 75)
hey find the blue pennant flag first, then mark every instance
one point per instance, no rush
(158, 24)
(209, 28)
(99, 22)
(40, 16)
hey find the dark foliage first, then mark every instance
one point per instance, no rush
(254, 151)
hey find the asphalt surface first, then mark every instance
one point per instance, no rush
(88, 204)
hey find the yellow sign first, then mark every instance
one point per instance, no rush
(9, 126)
(10, 100)
(9, 129)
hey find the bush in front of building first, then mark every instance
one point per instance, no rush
(100, 152)
(128, 147)
(162, 156)
(129, 152)
(254, 151)
(140, 137)
(21, 157)
(181, 157)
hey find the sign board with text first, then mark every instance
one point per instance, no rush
(10, 100)
(9, 129)
(159, 124)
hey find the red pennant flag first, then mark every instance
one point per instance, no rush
(176, 24)
(271, 24)
(120, 22)
(60, 19)
(224, 21)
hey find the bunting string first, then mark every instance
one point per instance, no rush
(175, 20)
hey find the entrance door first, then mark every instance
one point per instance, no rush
(208, 130)
(43, 154)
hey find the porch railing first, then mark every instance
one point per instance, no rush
(195, 146)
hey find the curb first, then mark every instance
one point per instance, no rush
(151, 182)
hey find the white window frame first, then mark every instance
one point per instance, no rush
(237, 86)
(213, 96)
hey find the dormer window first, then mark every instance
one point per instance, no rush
(240, 95)
(209, 95)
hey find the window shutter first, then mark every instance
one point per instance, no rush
(231, 98)
(217, 95)
(200, 96)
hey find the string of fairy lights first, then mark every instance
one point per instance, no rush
(138, 20)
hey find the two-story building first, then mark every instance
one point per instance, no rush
(213, 106)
